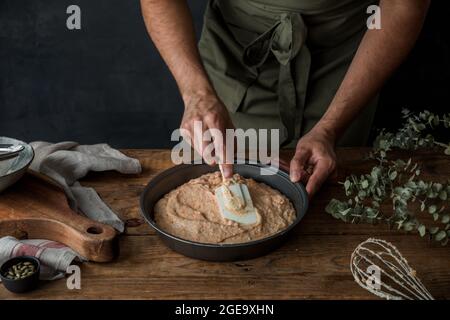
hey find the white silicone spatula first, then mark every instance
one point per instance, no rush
(235, 202)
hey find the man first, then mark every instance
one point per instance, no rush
(310, 68)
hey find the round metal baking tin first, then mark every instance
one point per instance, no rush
(172, 178)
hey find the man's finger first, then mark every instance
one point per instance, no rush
(321, 172)
(298, 163)
(227, 170)
(197, 130)
(217, 131)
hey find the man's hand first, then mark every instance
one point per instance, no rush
(314, 159)
(210, 111)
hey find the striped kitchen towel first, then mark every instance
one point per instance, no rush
(55, 258)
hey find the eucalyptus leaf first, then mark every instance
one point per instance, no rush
(441, 235)
(432, 209)
(409, 226)
(422, 230)
(364, 184)
(447, 151)
(347, 184)
(393, 175)
(434, 230)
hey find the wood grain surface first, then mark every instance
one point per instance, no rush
(313, 264)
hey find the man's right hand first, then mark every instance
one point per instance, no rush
(212, 114)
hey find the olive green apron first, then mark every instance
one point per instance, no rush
(278, 64)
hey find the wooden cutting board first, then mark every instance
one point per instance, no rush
(37, 208)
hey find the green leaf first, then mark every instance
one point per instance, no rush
(434, 230)
(445, 218)
(364, 184)
(435, 217)
(432, 209)
(393, 175)
(436, 120)
(441, 235)
(437, 187)
(379, 193)
(443, 195)
(447, 151)
(409, 226)
(383, 144)
(431, 194)
(362, 194)
(375, 173)
(422, 230)
(347, 184)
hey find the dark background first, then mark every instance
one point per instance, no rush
(107, 83)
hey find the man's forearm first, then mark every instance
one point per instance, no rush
(379, 54)
(170, 26)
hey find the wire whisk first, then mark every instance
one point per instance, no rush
(380, 268)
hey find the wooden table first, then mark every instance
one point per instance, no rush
(314, 263)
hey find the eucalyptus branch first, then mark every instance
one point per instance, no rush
(397, 183)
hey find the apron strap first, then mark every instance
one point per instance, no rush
(285, 40)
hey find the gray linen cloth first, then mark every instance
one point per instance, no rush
(67, 162)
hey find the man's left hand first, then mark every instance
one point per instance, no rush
(314, 159)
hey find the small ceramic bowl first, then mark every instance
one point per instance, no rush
(20, 285)
(12, 169)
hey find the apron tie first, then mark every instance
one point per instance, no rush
(285, 40)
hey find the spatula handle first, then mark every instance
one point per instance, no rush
(221, 172)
